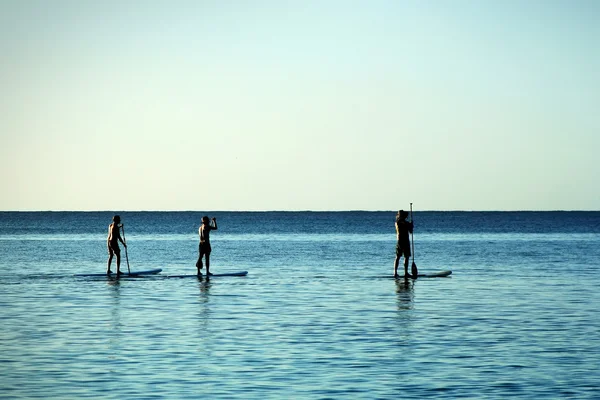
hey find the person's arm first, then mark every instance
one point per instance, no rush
(214, 224)
(410, 226)
(119, 236)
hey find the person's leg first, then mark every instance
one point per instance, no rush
(207, 264)
(110, 257)
(118, 254)
(397, 259)
(406, 265)
(199, 265)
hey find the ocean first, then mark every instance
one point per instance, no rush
(317, 317)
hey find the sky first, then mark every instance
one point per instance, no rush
(299, 105)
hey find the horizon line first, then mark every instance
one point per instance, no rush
(296, 211)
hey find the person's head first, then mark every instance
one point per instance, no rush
(117, 219)
(402, 215)
(205, 220)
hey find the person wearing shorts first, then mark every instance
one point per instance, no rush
(403, 228)
(204, 248)
(112, 242)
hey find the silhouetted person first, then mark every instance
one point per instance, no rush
(112, 242)
(403, 228)
(204, 246)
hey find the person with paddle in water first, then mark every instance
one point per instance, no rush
(204, 246)
(403, 228)
(112, 242)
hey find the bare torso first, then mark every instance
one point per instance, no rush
(113, 233)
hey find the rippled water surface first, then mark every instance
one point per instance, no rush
(318, 315)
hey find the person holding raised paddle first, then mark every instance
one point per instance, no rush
(112, 242)
(204, 247)
(403, 228)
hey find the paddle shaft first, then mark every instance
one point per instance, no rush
(412, 242)
(126, 256)
(414, 270)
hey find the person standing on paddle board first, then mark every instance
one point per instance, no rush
(403, 228)
(204, 246)
(112, 242)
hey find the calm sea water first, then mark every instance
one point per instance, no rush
(317, 316)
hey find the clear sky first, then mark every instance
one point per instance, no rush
(299, 105)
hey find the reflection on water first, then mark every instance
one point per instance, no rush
(114, 334)
(204, 314)
(404, 293)
(404, 305)
(204, 285)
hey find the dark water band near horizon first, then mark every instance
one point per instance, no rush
(318, 315)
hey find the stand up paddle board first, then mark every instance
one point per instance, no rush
(240, 273)
(440, 274)
(124, 274)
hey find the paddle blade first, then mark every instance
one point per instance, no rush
(414, 271)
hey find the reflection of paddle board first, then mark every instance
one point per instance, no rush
(125, 273)
(240, 273)
(439, 274)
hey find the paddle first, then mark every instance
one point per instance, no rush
(413, 269)
(125, 245)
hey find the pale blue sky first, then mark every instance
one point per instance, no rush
(299, 105)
